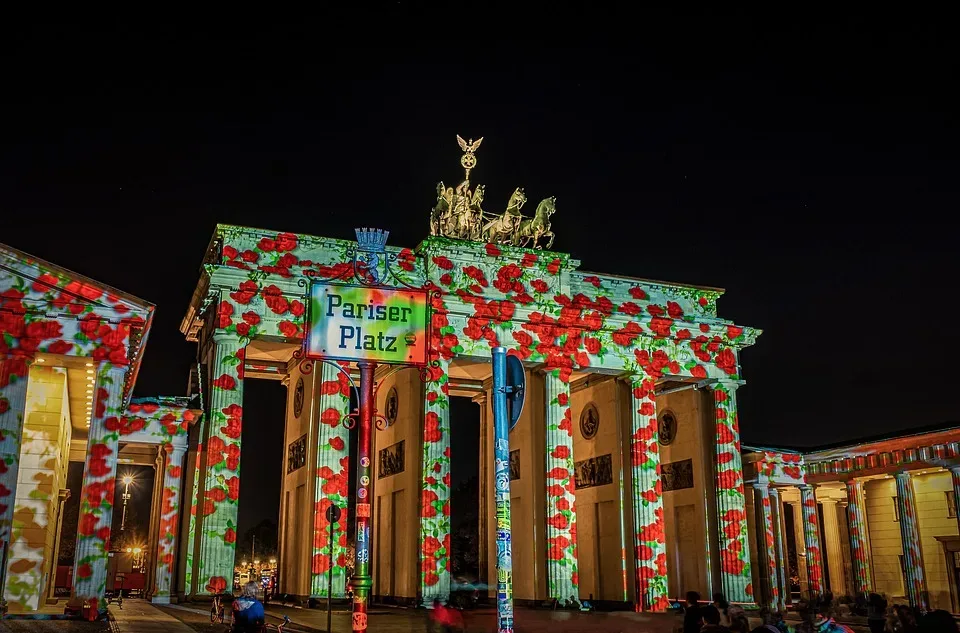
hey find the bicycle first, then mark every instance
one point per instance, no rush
(267, 627)
(216, 610)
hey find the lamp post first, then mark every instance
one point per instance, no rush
(127, 480)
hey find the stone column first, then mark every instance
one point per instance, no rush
(562, 572)
(332, 399)
(798, 544)
(97, 492)
(13, 401)
(910, 536)
(150, 551)
(435, 490)
(217, 510)
(766, 545)
(811, 539)
(780, 549)
(62, 495)
(955, 475)
(735, 575)
(831, 534)
(195, 493)
(169, 522)
(650, 546)
(484, 491)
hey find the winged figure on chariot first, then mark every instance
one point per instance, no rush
(459, 214)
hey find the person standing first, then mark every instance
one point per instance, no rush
(692, 620)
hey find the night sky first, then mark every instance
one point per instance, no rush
(808, 169)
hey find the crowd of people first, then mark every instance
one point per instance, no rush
(722, 617)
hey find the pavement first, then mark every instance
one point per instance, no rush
(139, 616)
(397, 620)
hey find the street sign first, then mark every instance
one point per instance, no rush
(516, 386)
(361, 323)
(333, 513)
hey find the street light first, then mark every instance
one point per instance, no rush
(127, 480)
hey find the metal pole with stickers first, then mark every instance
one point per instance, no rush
(509, 383)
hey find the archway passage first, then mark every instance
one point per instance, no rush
(260, 488)
(465, 537)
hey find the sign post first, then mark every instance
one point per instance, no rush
(333, 515)
(508, 390)
(366, 324)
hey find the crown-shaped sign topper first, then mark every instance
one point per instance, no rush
(372, 239)
(458, 213)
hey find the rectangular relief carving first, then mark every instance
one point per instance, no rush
(596, 471)
(677, 475)
(297, 454)
(390, 460)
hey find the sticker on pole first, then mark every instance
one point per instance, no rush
(359, 621)
(363, 510)
(359, 323)
(516, 386)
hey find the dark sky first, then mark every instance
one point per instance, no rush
(809, 169)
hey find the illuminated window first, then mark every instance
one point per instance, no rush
(951, 504)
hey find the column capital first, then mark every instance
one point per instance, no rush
(806, 487)
(954, 469)
(902, 475)
(222, 336)
(727, 384)
(762, 485)
(828, 500)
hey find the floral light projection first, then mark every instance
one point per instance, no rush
(735, 575)
(910, 537)
(96, 497)
(859, 535)
(562, 571)
(217, 511)
(533, 302)
(333, 473)
(651, 548)
(51, 311)
(435, 496)
(811, 539)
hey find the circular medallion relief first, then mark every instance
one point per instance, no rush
(393, 405)
(667, 426)
(589, 421)
(298, 398)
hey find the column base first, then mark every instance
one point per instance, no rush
(160, 600)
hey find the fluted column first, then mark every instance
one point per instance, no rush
(333, 475)
(217, 510)
(97, 492)
(562, 571)
(650, 546)
(766, 544)
(831, 534)
(435, 487)
(13, 401)
(811, 539)
(735, 575)
(776, 511)
(150, 552)
(169, 525)
(955, 475)
(194, 496)
(859, 537)
(910, 536)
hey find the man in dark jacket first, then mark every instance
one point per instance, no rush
(711, 620)
(692, 620)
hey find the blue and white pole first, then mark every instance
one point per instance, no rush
(501, 442)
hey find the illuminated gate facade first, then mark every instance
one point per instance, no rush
(606, 355)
